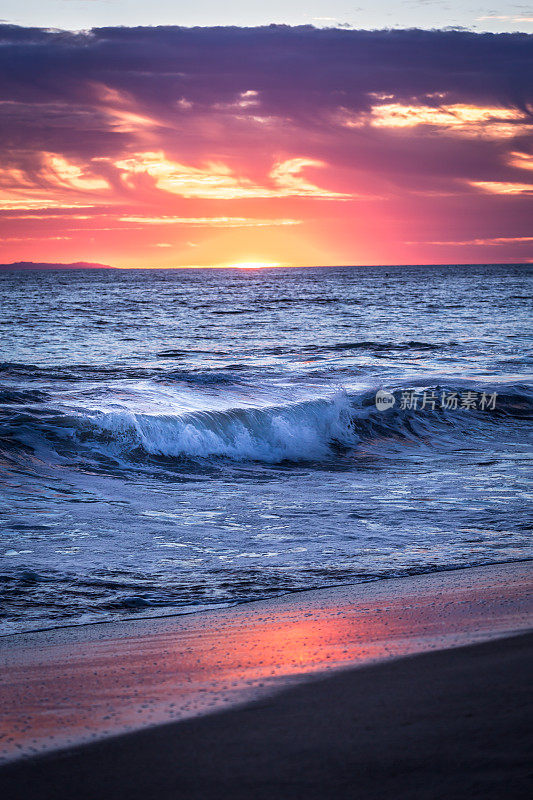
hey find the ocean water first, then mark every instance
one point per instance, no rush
(179, 440)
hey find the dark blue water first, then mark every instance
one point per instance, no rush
(189, 439)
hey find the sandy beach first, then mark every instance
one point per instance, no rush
(450, 724)
(105, 710)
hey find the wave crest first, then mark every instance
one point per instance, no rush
(299, 432)
(313, 430)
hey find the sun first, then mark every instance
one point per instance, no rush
(253, 264)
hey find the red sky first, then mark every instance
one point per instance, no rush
(296, 146)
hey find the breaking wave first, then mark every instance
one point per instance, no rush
(313, 430)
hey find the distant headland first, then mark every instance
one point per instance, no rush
(16, 265)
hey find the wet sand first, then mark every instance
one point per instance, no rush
(450, 724)
(68, 686)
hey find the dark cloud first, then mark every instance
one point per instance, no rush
(73, 93)
(302, 64)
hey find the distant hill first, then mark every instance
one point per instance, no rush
(46, 265)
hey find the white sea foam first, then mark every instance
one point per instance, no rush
(296, 432)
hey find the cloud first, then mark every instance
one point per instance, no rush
(521, 160)
(211, 222)
(504, 18)
(52, 181)
(216, 180)
(287, 175)
(503, 187)
(156, 76)
(225, 129)
(494, 240)
(470, 120)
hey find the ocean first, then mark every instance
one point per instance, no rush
(173, 441)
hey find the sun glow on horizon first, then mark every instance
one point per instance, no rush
(253, 264)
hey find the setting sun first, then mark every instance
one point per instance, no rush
(254, 265)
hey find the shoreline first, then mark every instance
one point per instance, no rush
(435, 725)
(65, 687)
(211, 609)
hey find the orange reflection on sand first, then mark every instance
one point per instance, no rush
(73, 685)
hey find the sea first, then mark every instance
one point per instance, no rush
(179, 440)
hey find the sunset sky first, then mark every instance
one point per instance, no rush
(305, 145)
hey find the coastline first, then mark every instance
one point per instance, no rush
(177, 612)
(66, 687)
(452, 723)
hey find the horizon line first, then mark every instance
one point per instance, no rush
(27, 266)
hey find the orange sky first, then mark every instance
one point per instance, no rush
(194, 167)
